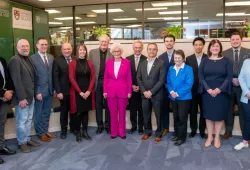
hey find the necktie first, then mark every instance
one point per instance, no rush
(46, 62)
(68, 60)
(236, 63)
(136, 62)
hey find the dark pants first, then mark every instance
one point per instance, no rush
(3, 115)
(101, 103)
(147, 105)
(246, 113)
(195, 102)
(135, 105)
(236, 92)
(79, 119)
(165, 110)
(180, 110)
(42, 115)
(65, 108)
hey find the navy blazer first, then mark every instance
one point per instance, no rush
(182, 83)
(43, 76)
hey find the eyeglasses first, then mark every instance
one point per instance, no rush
(116, 51)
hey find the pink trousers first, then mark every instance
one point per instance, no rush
(117, 109)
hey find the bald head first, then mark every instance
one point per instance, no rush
(66, 49)
(23, 47)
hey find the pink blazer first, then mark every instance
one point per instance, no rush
(120, 86)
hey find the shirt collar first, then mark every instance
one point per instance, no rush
(198, 57)
(151, 60)
(42, 54)
(137, 56)
(182, 66)
(236, 49)
(171, 53)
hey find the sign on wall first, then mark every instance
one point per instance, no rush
(21, 18)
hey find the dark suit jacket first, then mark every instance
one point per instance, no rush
(154, 81)
(131, 58)
(8, 81)
(244, 54)
(43, 76)
(23, 79)
(192, 61)
(61, 75)
(164, 57)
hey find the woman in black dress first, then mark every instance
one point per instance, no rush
(82, 79)
(215, 74)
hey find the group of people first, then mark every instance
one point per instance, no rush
(103, 79)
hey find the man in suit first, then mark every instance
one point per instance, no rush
(194, 61)
(99, 57)
(168, 59)
(237, 54)
(62, 85)
(43, 62)
(135, 103)
(6, 94)
(151, 79)
(23, 76)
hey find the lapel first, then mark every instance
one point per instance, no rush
(108, 54)
(121, 67)
(25, 64)
(194, 60)
(153, 67)
(64, 61)
(133, 63)
(39, 59)
(98, 58)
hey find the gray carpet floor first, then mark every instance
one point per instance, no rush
(104, 153)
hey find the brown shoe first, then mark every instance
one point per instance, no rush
(145, 137)
(226, 136)
(24, 148)
(44, 138)
(33, 143)
(249, 142)
(157, 139)
(165, 132)
(50, 135)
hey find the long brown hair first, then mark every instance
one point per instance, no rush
(77, 49)
(209, 53)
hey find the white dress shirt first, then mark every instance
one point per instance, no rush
(117, 65)
(199, 59)
(3, 74)
(42, 57)
(150, 65)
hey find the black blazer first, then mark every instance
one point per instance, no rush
(8, 81)
(61, 75)
(131, 58)
(192, 61)
(154, 81)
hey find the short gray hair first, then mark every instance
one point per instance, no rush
(115, 46)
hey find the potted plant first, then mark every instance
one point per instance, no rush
(101, 31)
(174, 30)
(247, 29)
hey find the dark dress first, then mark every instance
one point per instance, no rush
(215, 74)
(83, 81)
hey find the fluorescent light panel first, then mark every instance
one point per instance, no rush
(55, 23)
(133, 26)
(87, 22)
(125, 19)
(45, 0)
(240, 3)
(157, 4)
(172, 12)
(65, 28)
(52, 11)
(151, 9)
(233, 14)
(66, 18)
(109, 10)
(167, 18)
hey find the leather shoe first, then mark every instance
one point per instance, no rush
(132, 130)
(226, 136)
(99, 130)
(157, 139)
(63, 134)
(24, 148)
(123, 137)
(203, 135)
(7, 151)
(33, 143)
(1, 161)
(179, 142)
(140, 131)
(108, 130)
(165, 132)
(192, 134)
(50, 135)
(44, 138)
(174, 138)
(113, 137)
(146, 137)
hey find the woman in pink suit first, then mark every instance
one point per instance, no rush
(117, 90)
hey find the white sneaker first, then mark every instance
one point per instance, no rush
(240, 146)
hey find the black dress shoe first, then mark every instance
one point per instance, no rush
(85, 135)
(203, 135)
(132, 130)
(1, 161)
(140, 131)
(107, 130)
(192, 134)
(113, 137)
(7, 151)
(123, 137)
(99, 130)
(179, 142)
(174, 138)
(78, 137)
(63, 134)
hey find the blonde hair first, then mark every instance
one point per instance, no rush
(138, 41)
(115, 46)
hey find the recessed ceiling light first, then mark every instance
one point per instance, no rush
(55, 23)
(125, 19)
(172, 12)
(240, 3)
(232, 14)
(87, 22)
(167, 18)
(109, 10)
(157, 4)
(65, 28)
(151, 9)
(52, 11)
(132, 26)
(66, 18)
(45, 0)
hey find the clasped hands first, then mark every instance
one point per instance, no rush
(147, 94)
(214, 92)
(135, 88)
(105, 95)
(173, 94)
(85, 95)
(7, 95)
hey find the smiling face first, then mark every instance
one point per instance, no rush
(169, 43)
(104, 43)
(198, 47)
(215, 49)
(23, 47)
(178, 60)
(117, 53)
(82, 52)
(66, 49)
(152, 50)
(236, 41)
(137, 47)
(42, 46)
